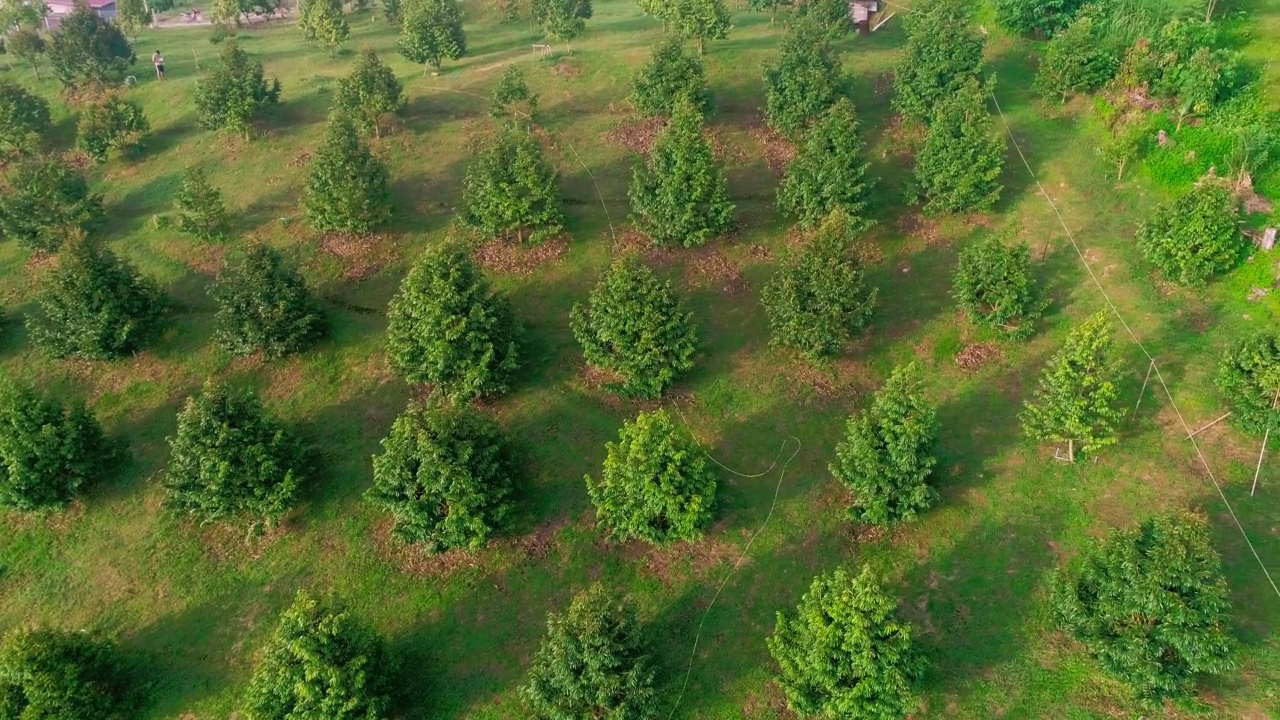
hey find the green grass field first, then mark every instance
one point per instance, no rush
(193, 604)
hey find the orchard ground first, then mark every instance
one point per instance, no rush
(193, 604)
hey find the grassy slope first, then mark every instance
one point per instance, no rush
(194, 603)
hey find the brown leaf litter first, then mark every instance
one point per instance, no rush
(361, 255)
(513, 258)
(638, 135)
(778, 151)
(975, 355)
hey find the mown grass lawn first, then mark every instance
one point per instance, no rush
(193, 604)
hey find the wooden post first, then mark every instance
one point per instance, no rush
(1071, 450)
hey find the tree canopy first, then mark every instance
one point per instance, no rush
(48, 451)
(235, 92)
(805, 81)
(88, 49)
(24, 118)
(959, 167)
(1075, 61)
(512, 98)
(942, 54)
(264, 306)
(829, 173)
(995, 288)
(50, 674)
(700, 20)
(198, 206)
(431, 32)
(322, 23)
(348, 189)
(1249, 379)
(1043, 18)
(369, 93)
(44, 201)
(510, 189)
(1196, 236)
(667, 77)
(113, 124)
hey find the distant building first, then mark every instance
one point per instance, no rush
(58, 9)
(860, 12)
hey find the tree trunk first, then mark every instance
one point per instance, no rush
(702, 46)
(1071, 451)
(1120, 175)
(1208, 13)
(35, 67)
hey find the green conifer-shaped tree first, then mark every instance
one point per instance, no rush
(959, 167)
(829, 173)
(804, 83)
(510, 189)
(348, 189)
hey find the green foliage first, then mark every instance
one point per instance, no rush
(943, 54)
(87, 49)
(48, 452)
(446, 474)
(234, 93)
(23, 14)
(1075, 61)
(829, 172)
(28, 45)
(770, 7)
(132, 16)
(634, 325)
(1151, 604)
(431, 32)
(700, 20)
(264, 306)
(887, 459)
(113, 124)
(656, 485)
(199, 207)
(804, 83)
(322, 23)
(845, 653)
(321, 663)
(45, 201)
(48, 674)
(1037, 17)
(1195, 237)
(510, 189)
(995, 288)
(1186, 63)
(1124, 143)
(513, 98)
(95, 305)
(830, 15)
(392, 10)
(24, 117)
(592, 664)
(679, 196)
(667, 77)
(447, 328)
(347, 188)
(1075, 402)
(1249, 378)
(563, 19)
(959, 167)
(817, 300)
(229, 459)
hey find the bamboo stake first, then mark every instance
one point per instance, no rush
(1206, 427)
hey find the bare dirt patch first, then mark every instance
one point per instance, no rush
(361, 255)
(674, 562)
(975, 355)
(724, 147)
(208, 258)
(843, 379)
(566, 68)
(778, 151)
(598, 378)
(517, 259)
(918, 226)
(231, 541)
(638, 136)
(759, 252)
(767, 704)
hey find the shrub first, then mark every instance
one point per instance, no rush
(87, 49)
(817, 301)
(634, 325)
(48, 452)
(447, 328)
(24, 117)
(1249, 378)
(1075, 401)
(369, 93)
(1151, 604)
(1037, 17)
(113, 124)
(1184, 62)
(805, 82)
(770, 7)
(959, 167)
(264, 306)
(668, 76)
(942, 54)
(48, 674)
(95, 305)
(1194, 237)
(561, 19)
(234, 93)
(199, 207)
(347, 188)
(995, 289)
(845, 653)
(656, 485)
(431, 32)
(700, 20)
(829, 173)
(513, 98)
(1075, 61)
(679, 196)
(228, 458)
(591, 664)
(45, 201)
(27, 44)
(446, 475)
(321, 663)
(510, 189)
(322, 23)
(887, 459)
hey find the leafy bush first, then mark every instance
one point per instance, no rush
(1195, 237)
(48, 452)
(1151, 604)
(322, 23)
(700, 20)
(199, 207)
(234, 93)
(369, 93)
(44, 201)
(829, 173)
(845, 653)
(887, 459)
(24, 118)
(447, 328)
(95, 305)
(264, 306)
(804, 83)
(446, 475)
(634, 325)
(959, 168)
(994, 287)
(113, 124)
(591, 664)
(656, 485)
(1075, 401)
(680, 196)
(770, 7)
(347, 188)
(1185, 62)
(27, 44)
(228, 458)
(513, 98)
(510, 189)
(561, 19)
(1249, 378)
(431, 32)
(1037, 17)
(668, 76)
(321, 664)
(1075, 61)
(943, 53)
(89, 50)
(51, 674)
(817, 301)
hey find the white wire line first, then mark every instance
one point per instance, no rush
(1159, 376)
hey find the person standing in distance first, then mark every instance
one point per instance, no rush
(158, 60)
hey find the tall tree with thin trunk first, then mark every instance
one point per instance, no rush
(943, 52)
(431, 32)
